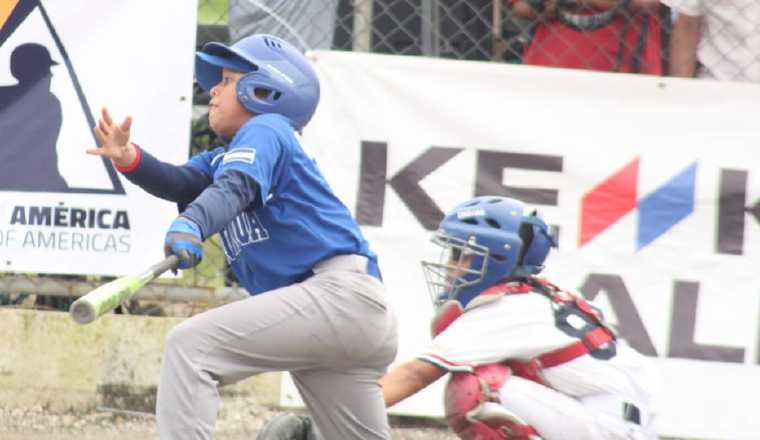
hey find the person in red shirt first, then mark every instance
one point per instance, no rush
(629, 40)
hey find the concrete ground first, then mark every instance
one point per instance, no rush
(241, 421)
(237, 424)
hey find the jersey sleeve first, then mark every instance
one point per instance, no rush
(180, 184)
(243, 177)
(205, 161)
(231, 193)
(255, 152)
(454, 349)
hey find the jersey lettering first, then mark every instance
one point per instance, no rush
(244, 230)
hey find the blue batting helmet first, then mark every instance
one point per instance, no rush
(486, 240)
(269, 63)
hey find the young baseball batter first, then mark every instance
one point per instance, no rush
(317, 307)
(528, 360)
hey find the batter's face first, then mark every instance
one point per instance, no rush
(225, 113)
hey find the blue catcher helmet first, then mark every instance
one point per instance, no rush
(269, 63)
(486, 240)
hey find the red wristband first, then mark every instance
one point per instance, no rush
(131, 167)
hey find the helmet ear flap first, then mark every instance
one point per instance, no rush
(538, 248)
(537, 242)
(249, 92)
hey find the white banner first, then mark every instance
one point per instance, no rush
(652, 182)
(61, 210)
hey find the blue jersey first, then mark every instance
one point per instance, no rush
(297, 220)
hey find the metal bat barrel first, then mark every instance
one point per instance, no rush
(106, 297)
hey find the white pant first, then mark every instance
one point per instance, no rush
(334, 332)
(557, 416)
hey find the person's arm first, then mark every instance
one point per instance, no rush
(179, 184)
(232, 192)
(684, 40)
(407, 379)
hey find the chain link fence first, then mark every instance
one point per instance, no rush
(708, 38)
(713, 39)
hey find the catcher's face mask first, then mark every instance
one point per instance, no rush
(461, 263)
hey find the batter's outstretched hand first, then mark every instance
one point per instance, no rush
(114, 140)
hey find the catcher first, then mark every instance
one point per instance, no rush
(527, 359)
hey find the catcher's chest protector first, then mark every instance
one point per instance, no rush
(595, 338)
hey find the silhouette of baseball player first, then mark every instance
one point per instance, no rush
(30, 122)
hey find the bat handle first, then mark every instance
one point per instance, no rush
(170, 263)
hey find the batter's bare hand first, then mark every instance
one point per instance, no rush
(114, 140)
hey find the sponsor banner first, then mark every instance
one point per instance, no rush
(652, 184)
(61, 210)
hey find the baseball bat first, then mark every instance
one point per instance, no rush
(106, 297)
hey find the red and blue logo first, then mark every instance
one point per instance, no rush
(659, 211)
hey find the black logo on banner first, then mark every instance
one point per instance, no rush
(31, 115)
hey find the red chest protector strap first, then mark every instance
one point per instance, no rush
(532, 369)
(591, 341)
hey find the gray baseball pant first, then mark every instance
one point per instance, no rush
(334, 332)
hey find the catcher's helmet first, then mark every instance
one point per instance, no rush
(501, 240)
(269, 63)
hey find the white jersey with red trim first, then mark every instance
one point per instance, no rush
(522, 327)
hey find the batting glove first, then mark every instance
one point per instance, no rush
(184, 240)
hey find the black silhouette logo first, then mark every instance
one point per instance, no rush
(31, 116)
(30, 120)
